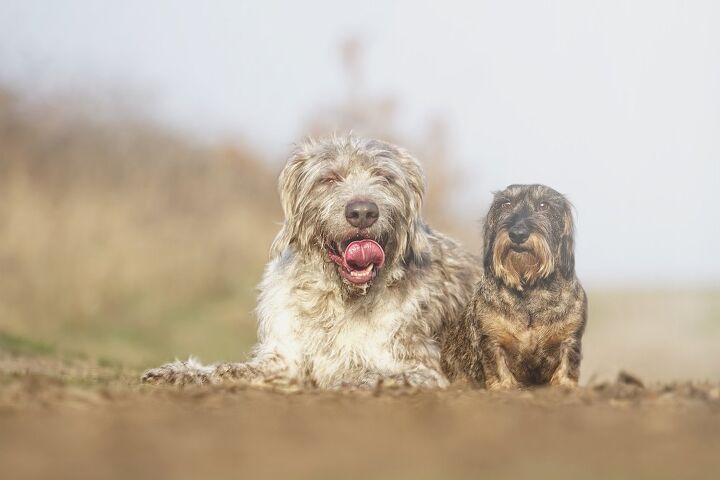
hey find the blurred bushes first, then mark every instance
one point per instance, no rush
(113, 232)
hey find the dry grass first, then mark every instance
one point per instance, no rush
(114, 237)
(659, 334)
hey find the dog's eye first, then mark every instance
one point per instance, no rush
(385, 174)
(329, 179)
(506, 205)
(543, 206)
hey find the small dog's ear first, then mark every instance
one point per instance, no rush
(488, 230)
(566, 248)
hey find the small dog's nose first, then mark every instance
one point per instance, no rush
(519, 233)
(361, 213)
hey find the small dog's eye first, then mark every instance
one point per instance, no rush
(506, 204)
(543, 206)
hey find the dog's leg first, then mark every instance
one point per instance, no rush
(497, 373)
(568, 370)
(266, 369)
(420, 376)
(189, 372)
(258, 370)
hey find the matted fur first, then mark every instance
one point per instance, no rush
(315, 327)
(525, 322)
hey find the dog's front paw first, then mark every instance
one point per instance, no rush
(563, 381)
(421, 378)
(502, 385)
(189, 372)
(417, 378)
(235, 372)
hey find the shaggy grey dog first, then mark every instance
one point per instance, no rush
(358, 288)
(525, 323)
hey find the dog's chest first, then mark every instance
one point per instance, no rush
(537, 322)
(532, 351)
(523, 335)
(343, 345)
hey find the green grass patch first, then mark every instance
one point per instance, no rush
(17, 345)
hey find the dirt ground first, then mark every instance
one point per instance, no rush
(74, 419)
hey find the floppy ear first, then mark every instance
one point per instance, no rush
(488, 240)
(566, 248)
(417, 245)
(289, 193)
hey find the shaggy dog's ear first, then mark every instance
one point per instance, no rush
(288, 186)
(566, 248)
(488, 230)
(415, 246)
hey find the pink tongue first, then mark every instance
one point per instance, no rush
(361, 253)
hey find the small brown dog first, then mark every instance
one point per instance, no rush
(525, 322)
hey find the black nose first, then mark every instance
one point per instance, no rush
(361, 213)
(519, 233)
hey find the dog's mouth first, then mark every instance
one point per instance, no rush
(358, 259)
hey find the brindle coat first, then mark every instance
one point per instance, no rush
(525, 322)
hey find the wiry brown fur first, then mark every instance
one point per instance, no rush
(525, 322)
(524, 268)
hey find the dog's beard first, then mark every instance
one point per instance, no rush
(520, 266)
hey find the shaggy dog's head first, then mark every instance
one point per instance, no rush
(528, 236)
(354, 203)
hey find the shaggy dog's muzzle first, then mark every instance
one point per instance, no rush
(360, 257)
(522, 263)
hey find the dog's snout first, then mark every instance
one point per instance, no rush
(519, 233)
(361, 213)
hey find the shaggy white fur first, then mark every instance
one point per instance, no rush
(315, 326)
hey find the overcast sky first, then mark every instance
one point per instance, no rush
(615, 103)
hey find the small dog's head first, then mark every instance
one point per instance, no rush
(355, 203)
(528, 235)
